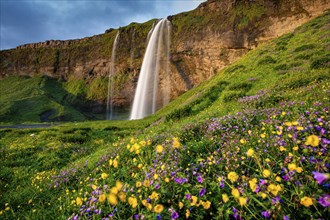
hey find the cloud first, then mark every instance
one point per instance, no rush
(27, 21)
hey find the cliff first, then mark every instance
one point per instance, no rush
(204, 41)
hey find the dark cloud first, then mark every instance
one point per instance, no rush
(27, 21)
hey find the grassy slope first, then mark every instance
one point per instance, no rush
(24, 99)
(45, 171)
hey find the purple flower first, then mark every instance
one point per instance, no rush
(320, 177)
(285, 217)
(276, 200)
(265, 214)
(325, 200)
(178, 180)
(200, 179)
(235, 213)
(263, 182)
(202, 192)
(188, 196)
(222, 183)
(257, 189)
(75, 217)
(159, 217)
(174, 215)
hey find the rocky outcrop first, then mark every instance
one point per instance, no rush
(204, 41)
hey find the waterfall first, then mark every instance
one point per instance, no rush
(147, 97)
(149, 33)
(109, 111)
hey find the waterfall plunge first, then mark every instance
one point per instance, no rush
(109, 111)
(156, 59)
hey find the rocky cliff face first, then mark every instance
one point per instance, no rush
(204, 41)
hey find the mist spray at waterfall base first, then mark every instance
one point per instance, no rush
(148, 97)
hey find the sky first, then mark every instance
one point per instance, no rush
(31, 21)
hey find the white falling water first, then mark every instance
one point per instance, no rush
(112, 71)
(149, 33)
(156, 58)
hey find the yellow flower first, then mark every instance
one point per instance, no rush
(206, 205)
(115, 164)
(295, 148)
(133, 202)
(114, 190)
(156, 176)
(235, 192)
(225, 198)
(242, 201)
(232, 176)
(119, 185)
(243, 141)
(288, 124)
(94, 187)
(263, 195)
(282, 148)
(187, 213)
(299, 169)
(159, 148)
(110, 162)
(306, 201)
(138, 184)
(102, 198)
(300, 128)
(140, 166)
(176, 143)
(194, 200)
(167, 179)
(266, 173)
(112, 198)
(79, 201)
(312, 140)
(180, 205)
(122, 196)
(154, 196)
(104, 176)
(149, 206)
(253, 184)
(274, 189)
(292, 166)
(158, 208)
(146, 183)
(278, 179)
(263, 135)
(250, 152)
